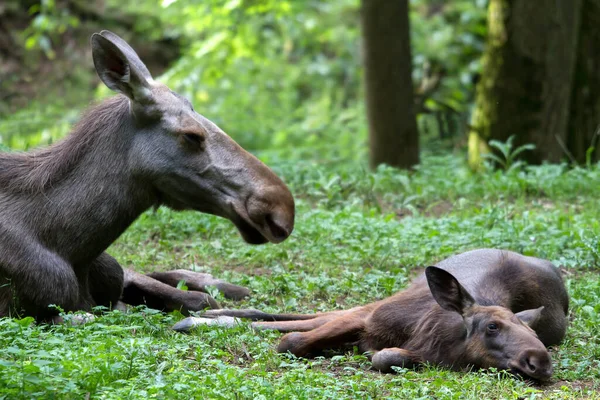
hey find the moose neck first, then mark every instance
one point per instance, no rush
(83, 192)
(440, 337)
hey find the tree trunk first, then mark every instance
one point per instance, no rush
(393, 133)
(526, 83)
(584, 122)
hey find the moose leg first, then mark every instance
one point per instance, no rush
(337, 332)
(277, 322)
(256, 315)
(37, 276)
(383, 360)
(142, 289)
(105, 280)
(199, 281)
(6, 296)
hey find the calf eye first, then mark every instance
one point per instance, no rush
(492, 328)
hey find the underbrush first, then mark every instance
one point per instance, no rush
(360, 236)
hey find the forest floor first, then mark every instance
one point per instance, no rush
(360, 236)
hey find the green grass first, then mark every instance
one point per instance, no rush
(359, 237)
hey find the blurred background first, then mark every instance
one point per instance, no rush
(321, 80)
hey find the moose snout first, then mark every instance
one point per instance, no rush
(279, 227)
(272, 211)
(535, 364)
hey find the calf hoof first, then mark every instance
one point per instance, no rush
(187, 324)
(73, 319)
(294, 343)
(385, 359)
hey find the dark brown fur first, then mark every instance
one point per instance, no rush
(446, 318)
(61, 207)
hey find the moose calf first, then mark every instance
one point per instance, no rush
(483, 308)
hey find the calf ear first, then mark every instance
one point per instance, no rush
(530, 317)
(447, 291)
(119, 70)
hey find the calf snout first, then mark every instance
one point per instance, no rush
(535, 364)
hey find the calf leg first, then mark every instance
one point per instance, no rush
(277, 322)
(142, 289)
(336, 332)
(256, 315)
(199, 281)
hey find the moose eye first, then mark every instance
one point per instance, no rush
(492, 328)
(193, 138)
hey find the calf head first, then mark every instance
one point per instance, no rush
(185, 158)
(495, 336)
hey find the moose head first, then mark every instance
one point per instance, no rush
(491, 336)
(188, 161)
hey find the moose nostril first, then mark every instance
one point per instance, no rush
(529, 363)
(536, 364)
(277, 231)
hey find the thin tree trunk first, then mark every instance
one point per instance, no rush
(393, 133)
(526, 83)
(584, 122)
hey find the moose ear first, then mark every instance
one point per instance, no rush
(129, 52)
(120, 68)
(447, 291)
(531, 316)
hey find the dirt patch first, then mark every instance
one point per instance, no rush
(436, 209)
(251, 270)
(583, 386)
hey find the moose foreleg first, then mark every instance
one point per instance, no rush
(105, 280)
(199, 281)
(385, 359)
(142, 289)
(37, 276)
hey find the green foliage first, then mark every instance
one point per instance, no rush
(271, 73)
(286, 74)
(51, 20)
(507, 157)
(36, 126)
(450, 36)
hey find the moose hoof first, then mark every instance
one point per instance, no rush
(233, 292)
(197, 301)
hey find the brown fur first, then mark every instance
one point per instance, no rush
(446, 317)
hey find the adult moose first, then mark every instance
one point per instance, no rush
(484, 308)
(62, 206)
